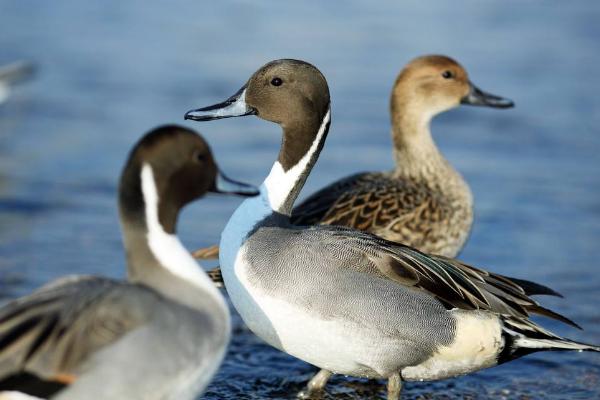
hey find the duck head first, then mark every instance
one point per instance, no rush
(179, 165)
(282, 91)
(291, 93)
(433, 84)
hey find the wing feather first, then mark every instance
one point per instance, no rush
(51, 331)
(364, 201)
(454, 283)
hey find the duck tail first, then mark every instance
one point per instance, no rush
(522, 337)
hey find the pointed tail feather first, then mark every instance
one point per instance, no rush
(532, 288)
(552, 344)
(522, 337)
(554, 315)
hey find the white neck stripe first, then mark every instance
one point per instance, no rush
(167, 248)
(278, 185)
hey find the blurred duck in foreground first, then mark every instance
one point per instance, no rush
(161, 334)
(423, 202)
(12, 74)
(346, 300)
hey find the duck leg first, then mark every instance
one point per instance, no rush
(316, 384)
(207, 253)
(394, 387)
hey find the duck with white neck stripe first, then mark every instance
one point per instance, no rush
(348, 301)
(423, 202)
(162, 334)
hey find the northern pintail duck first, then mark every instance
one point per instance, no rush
(12, 73)
(424, 202)
(346, 300)
(161, 334)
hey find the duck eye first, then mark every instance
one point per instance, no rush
(276, 82)
(200, 157)
(447, 74)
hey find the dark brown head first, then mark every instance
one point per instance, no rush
(288, 92)
(183, 169)
(291, 93)
(282, 91)
(433, 84)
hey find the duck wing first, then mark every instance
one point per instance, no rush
(364, 201)
(402, 210)
(323, 202)
(46, 335)
(452, 282)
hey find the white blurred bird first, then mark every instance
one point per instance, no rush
(11, 74)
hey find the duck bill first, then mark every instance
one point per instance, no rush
(477, 97)
(225, 185)
(235, 106)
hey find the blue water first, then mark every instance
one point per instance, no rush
(110, 71)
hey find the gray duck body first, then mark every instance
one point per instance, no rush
(96, 330)
(352, 303)
(338, 284)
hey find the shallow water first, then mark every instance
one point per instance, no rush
(109, 72)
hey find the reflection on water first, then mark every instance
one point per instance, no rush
(110, 71)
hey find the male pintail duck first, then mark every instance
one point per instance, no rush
(346, 300)
(424, 202)
(161, 334)
(11, 74)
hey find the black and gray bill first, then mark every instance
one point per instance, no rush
(225, 185)
(235, 106)
(477, 97)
